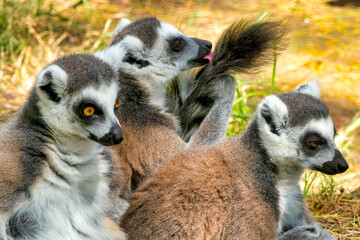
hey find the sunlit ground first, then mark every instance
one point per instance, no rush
(323, 43)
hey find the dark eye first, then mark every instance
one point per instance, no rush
(313, 144)
(88, 110)
(177, 44)
(131, 59)
(314, 140)
(117, 103)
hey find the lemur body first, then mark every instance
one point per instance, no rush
(54, 171)
(148, 54)
(229, 190)
(296, 221)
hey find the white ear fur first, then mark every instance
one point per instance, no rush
(274, 113)
(312, 88)
(122, 24)
(52, 74)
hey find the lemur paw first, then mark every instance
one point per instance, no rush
(306, 232)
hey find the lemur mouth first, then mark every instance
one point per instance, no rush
(209, 57)
(205, 55)
(203, 60)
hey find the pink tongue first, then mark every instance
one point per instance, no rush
(209, 56)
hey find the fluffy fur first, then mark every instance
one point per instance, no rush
(307, 232)
(54, 174)
(231, 190)
(243, 47)
(151, 133)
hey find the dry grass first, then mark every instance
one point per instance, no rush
(323, 44)
(341, 216)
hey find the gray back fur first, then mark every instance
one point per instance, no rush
(145, 29)
(312, 108)
(84, 70)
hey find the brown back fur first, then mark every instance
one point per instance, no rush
(202, 194)
(143, 150)
(10, 171)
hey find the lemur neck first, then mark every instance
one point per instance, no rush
(76, 145)
(291, 199)
(156, 91)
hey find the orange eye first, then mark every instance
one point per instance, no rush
(88, 111)
(117, 103)
(314, 144)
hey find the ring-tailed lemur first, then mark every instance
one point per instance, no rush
(296, 221)
(231, 190)
(54, 171)
(148, 54)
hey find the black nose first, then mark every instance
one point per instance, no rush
(207, 44)
(204, 47)
(342, 165)
(203, 43)
(114, 136)
(337, 165)
(117, 134)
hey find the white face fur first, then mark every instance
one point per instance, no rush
(309, 145)
(88, 113)
(171, 53)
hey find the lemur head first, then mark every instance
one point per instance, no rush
(78, 97)
(298, 132)
(151, 50)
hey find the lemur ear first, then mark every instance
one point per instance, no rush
(52, 80)
(312, 88)
(122, 24)
(274, 112)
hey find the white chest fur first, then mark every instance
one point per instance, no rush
(68, 199)
(291, 201)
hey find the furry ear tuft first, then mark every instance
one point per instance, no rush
(52, 80)
(275, 113)
(312, 88)
(122, 24)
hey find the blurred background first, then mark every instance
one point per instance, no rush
(323, 44)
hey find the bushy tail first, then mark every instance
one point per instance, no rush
(245, 46)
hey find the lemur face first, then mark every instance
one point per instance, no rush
(78, 96)
(298, 132)
(154, 51)
(94, 110)
(317, 146)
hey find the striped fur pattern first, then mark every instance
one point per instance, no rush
(243, 47)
